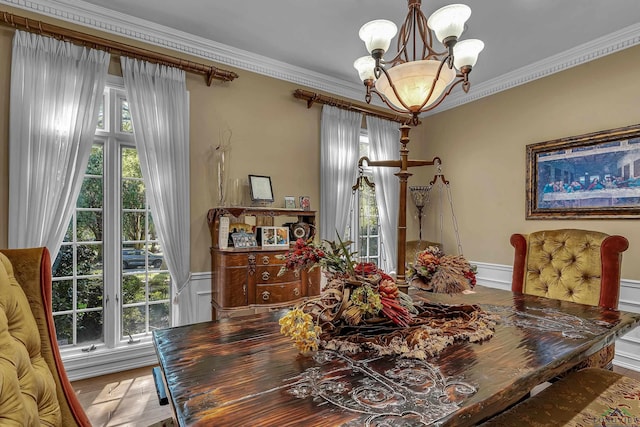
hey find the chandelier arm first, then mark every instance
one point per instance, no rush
(428, 52)
(415, 23)
(433, 86)
(444, 95)
(403, 38)
(388, 104)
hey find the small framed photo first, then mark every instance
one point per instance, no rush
(289, 202)
(242, 239)
(305, 203)
(274, 236)
(261, 190)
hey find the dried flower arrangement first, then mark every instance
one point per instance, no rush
(438, 272)
(361, 309)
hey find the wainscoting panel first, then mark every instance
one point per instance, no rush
(201, 292)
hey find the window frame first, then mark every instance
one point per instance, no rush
(354, 231)
(117, 351)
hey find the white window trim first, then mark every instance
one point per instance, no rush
(114, 354)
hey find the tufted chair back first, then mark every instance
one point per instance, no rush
(34, 388)
(574, 265)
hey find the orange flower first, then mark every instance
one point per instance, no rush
(426, 258)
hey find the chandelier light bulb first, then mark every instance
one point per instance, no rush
(449, 21)
(465, 53)
(365, 66)
(377, 34)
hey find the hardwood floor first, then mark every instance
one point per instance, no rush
(122, 399)
(627, 372)
(129, 398)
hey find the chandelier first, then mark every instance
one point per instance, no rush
(419, 77)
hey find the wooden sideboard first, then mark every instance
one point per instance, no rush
(245, 280)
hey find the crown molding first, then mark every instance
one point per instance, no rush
(102, 19)
(611, 43)
(99, 18)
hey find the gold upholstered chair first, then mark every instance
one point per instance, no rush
(581, 266)
(34, 388)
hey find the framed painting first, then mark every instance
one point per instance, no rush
(595, 175)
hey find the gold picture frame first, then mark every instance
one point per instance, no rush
(595, 175)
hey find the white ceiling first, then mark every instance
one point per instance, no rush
(314, 42)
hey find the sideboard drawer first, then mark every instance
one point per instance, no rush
(269, 258)
(266, 275)
(282, 292)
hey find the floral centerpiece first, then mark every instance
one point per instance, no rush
(361, 309)
(438, 272)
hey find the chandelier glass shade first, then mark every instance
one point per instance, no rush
(419, 76)
(413, 84)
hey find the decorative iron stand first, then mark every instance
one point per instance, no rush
(403, 175)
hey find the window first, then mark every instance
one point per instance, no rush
(365, 229)
(110, 282)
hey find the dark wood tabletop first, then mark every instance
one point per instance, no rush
(243, 372)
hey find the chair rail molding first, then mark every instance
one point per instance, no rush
(109, 21)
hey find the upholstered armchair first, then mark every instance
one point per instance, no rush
(34, 388)
(573, 265)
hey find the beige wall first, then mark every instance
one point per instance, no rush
(483, 144)
(272, 134)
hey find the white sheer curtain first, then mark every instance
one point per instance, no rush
(384, 144)
(56, 89)
(339, 150)
(159, 105)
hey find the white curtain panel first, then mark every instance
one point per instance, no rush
(384, 144)
(159, 105)
(56, 89)
(339, 150)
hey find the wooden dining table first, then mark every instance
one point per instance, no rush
(243, 372)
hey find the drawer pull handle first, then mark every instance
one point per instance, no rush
(266, 276)
(265, 260)
(296, 273)
(265, 296)
(244, 289)
(296, 292)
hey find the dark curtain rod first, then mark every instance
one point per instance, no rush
(312, 97)
(31, 25)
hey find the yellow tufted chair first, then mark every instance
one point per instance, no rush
(34, 388)
(573, 265)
